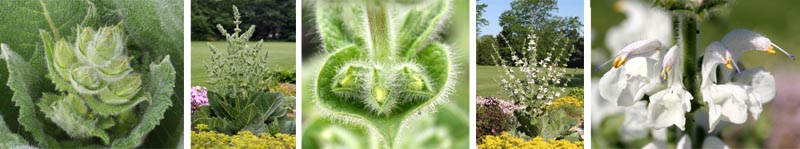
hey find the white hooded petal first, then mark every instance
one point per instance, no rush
(715, 54)
(740, 40)
(714, 142)
(634, 74)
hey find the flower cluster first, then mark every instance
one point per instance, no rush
(566, 101)
(199, 97)
(244, 139)
(639, 69)
(507, 107)
(505, 140)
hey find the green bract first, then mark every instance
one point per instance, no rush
(383, 66)
(97, 97)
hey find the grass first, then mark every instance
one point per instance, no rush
(487, 80)
(281, 56)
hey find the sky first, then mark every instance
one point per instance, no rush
(496, 7)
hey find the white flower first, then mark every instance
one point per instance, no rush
(667, 107)
(739, 41)
(725, 101)
(635, 73)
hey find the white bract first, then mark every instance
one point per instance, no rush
(634, 73)
(667, 107)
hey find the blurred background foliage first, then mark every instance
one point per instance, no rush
(779, 124)
(451, 118)
(274, 19)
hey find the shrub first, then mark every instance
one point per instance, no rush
(505, 140)
(285, 88)
(283, 76)
(494, 116)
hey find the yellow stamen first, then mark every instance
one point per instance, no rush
(664, 72)
(771, 50)
(729, 63)
(618, 6)
(619, 61)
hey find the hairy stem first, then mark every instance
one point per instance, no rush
(379, 30)
(49, 20)
(688, 34)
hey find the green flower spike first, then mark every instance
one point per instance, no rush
(383, 67)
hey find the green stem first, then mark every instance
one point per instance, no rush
(688, 34)
(49, 20)
(379, 30)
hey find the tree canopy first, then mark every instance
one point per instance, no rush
(274, 19)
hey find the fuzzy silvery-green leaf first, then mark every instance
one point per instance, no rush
(22, 20)
(384, 67)
(231, 115)
(10, 139)
(159, 83)
(27, 90)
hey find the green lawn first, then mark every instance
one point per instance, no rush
(281, 55)
(487, 80)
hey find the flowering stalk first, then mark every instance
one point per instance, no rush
(687, 39)
(727, 97)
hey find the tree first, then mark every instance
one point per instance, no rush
(485, 50)
(536, 16)
(275, 19)
(479, 10)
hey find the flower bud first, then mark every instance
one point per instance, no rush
(84, 82)
(84, 37)
(64, 59)
(123, 90)
(101, 47)
(117, 68)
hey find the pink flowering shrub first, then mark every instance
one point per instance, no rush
(199, 97)
(494, 116)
